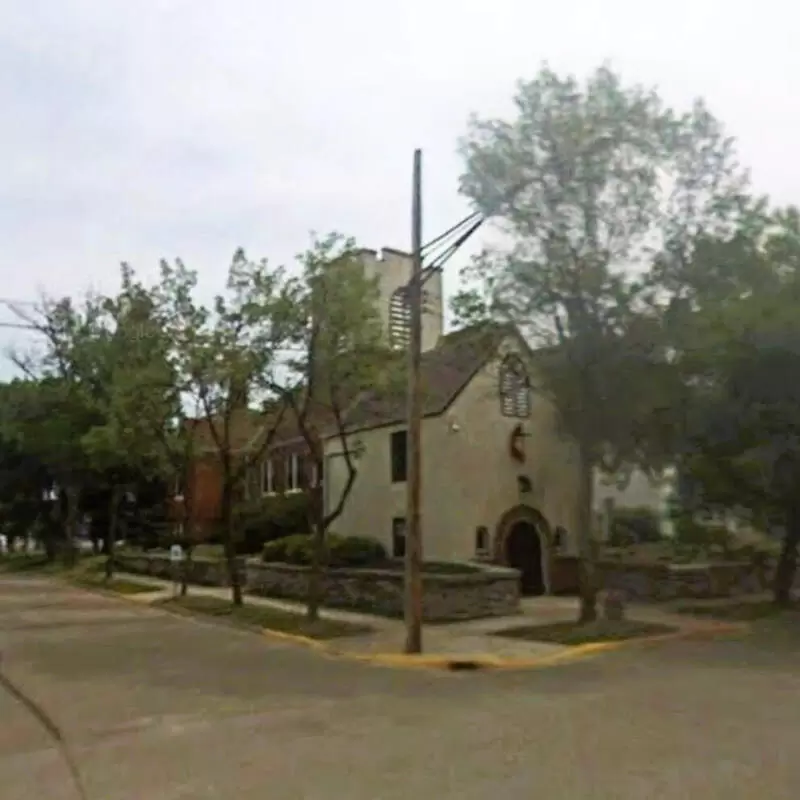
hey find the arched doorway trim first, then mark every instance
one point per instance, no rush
(525, 513)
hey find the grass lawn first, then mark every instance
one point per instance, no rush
(257, 616)
(87, 572)
(22, 562)
(117, 585)
(742, 611)
(571, 633)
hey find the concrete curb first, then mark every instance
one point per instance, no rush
(476, 662)
(484, 661)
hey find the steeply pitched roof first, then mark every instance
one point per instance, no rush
(445, 372)
(243, 424)
(248, 426)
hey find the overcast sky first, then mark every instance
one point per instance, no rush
(136, 129)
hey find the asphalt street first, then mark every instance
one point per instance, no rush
(158, 707)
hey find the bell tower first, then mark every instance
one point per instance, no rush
(392, 269)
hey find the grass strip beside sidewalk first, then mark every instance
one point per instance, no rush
(737, 611)
(122, 586)
(261, 617)
(572, 633)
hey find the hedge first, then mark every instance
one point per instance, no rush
(634, 526)
(340, 551)
(269, 518)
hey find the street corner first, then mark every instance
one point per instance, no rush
(473, 662)
(564, 655)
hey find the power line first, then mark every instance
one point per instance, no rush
(426, 248)
(444, 257)
(9, 302)
(18, 325)
(12, 305)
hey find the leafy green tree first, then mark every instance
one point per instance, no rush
(337, 351)
(594, 185)
(58, 407)
(24, 479)
(225, 358)
(135, 396)
(741, 360)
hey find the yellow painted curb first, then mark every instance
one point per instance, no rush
(457, 662)
(295, 638)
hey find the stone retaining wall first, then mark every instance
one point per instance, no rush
(202, 571)
(663, 582)
(489, 591)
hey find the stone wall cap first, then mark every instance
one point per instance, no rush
(707, 565)
(478, 573)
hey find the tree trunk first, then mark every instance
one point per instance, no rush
(315, 575)
(49, 543)
(586, 569)
(787, 563)
(188, 532)
(71, 526)
(231, 561)
(46, 534)
(111, 530)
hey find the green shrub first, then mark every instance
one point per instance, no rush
(689, 533)
(270, 518)
(276, 550)
(354, 551)
(299, 549)
(634, 526)
(340, 551)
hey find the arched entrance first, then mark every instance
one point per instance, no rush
(522, 543)
(524, 552)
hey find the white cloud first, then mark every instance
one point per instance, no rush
(166, 127)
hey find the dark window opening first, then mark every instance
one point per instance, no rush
(317, 472)
(481, 540)
(399, 537)
(559, 538)
(399, 455)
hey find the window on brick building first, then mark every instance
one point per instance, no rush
(268, 476)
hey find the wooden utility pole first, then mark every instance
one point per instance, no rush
(413, 576)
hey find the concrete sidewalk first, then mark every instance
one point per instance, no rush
(473, 640)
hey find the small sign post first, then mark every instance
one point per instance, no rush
(176, 557)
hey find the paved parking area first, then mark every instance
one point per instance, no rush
(163, 708)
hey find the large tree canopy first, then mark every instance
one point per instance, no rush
(601, 193)
(739, 355)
